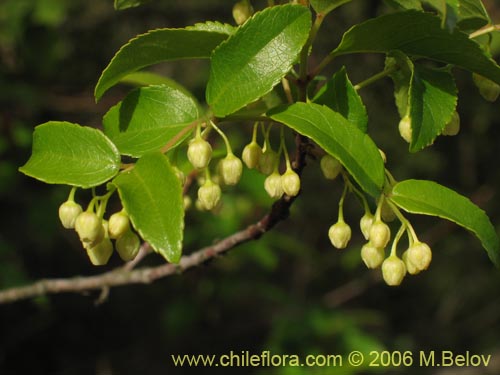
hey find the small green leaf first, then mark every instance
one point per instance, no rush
(418, 34)
(432, 101)
(337, 136)
(326, 6)
(255, 58)
(148, 118)
(157, 46)
(429, 198)
(124, 4)
(339, 94)
(151, 194)
(66, 153)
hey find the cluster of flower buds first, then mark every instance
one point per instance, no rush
(230, 168)
(375, 230)
(96, 234)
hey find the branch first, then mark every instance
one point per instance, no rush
(127, 275)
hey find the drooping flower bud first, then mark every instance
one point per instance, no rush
(231, 168)
(242, 11)
(100, 253)
(365, 224)
(118, 224)
(89, 228)
(387, 213)
(199, 152)
(340, 234)
(453, 127)
(412, 270)
(251, 154)
(209, 195)
(488, 89)
(267, 161)
(128, 245)
(68, 212)
(372, 256)
(420, 255)
(290, 181)
(405, 129)
(380, 234)
(273, 185)
(393, 270)
(330, 167)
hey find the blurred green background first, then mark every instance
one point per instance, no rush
(289, 292)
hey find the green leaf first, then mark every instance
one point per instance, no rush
(148, 118)
(432, 101)
(255, 58)
(157, 46)
(339, 94)
(429, 198)
(337, 136)
(66, 153)
(404, 4)
(124, 4)
(214, 27)
(472, 14)
(418, 34)
(151, 194)
(326, 6)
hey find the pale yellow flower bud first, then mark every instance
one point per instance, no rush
(405, 129)
(412, 270)
(340, 234)
(100, 253)
(231, 168)
(199, 152)
(365, 224)
(273, 185)
(380, 234)
(242, 11)
(128, 245)
(290, 182)
(393, 270)
(330, 167)
(209, 195)
(89, 228)
(118, 224)
(251, 155)
(420, 255)
(68, 212)
(268, 161)
(372, 256)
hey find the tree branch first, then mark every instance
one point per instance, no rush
(127, 275)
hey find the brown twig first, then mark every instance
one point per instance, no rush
(127, 275)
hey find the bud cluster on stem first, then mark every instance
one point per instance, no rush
(95, 233)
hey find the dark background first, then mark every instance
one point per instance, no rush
(289, 292)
